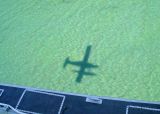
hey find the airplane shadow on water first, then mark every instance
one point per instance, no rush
(85, 67)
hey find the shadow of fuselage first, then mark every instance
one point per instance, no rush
(82, 64)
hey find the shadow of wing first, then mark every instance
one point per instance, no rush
(89, 73)
(84, 73)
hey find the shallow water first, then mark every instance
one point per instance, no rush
(37, 36)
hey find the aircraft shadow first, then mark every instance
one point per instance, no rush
(85, 67)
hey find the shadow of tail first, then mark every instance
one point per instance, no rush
(66, 62)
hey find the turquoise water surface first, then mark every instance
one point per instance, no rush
(37, 36)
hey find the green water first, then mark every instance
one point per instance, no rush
(37, 36)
